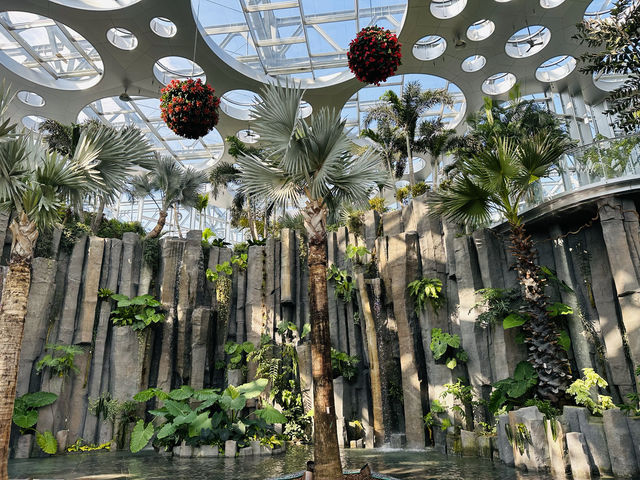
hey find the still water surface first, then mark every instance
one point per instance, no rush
(402, 464)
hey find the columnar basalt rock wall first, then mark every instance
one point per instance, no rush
(397, 378)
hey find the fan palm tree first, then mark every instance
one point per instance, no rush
(173, 183)
(120, 152)
(34, 184)
(311, 160)
(497, 179)
(405, 111)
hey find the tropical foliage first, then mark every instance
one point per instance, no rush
(446, 348)
(138, 312)
(25, 416)
(60, 361)
(426, 290)
(614, 50)
(585, 392)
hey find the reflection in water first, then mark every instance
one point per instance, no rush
(415, 465)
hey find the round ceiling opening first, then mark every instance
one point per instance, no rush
(418, 165)
(177, 68)
(163, 27)
(444, 9)
(556, 68)
(429, 47)
(528, 41)
(473, 63)
(498, 83)
(31, 98)
(599, 9)
(96, 4)
(47, 52)
(306, 40)
(122, 38)
(550, 3)
(238, 103)
(480, 30)
(248, 136)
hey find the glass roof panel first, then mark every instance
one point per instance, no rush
(357, 106)
(177, 68)
(528, 41)
(47, 52)
(304, 39)
(144, 113)
(556, 68)
(96, 4)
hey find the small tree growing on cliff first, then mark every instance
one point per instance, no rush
(498, 178)
(173, 184)
(34, 184)
(311, 160)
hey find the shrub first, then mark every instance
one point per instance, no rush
(378, 204)
(584, 389)
(426, 290)
(60, 360)
(419, 188)
(344, 365)
(137, 312)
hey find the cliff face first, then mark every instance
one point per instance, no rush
(397, 377)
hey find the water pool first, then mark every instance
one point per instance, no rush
(402, 464)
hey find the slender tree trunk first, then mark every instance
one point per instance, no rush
(13, 310)
(544, 351)
(176, 207)
(162, 219)
(412, 178)
(252, 223)
(327, 452)
(97, 219)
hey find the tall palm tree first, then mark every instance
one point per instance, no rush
(390, 144)
(312, 160)
(34, 184)
(436, 140)
(405, 112)
(174, 184)
(497, 179)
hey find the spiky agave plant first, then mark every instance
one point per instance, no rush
(310, 161)
(498, 179)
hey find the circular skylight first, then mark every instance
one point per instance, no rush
(498, 83)
(418, 164)
(528, 41)
(473, 63)
(444, 9)
(599, 9)
(177, 68)
(556, 68)
(31, 98)
(96, 4)
(550, 3)
(305, 109)
(122, 38)
(429, 47)
(248, 136)
(32, 122)
(144, 113)
(163, 27)
(359, 104)
(238, 103)
(307, 40)
(608, 81)
(47, 52)
(480, 30)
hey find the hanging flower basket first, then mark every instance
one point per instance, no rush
(374, 55)
(189, 108)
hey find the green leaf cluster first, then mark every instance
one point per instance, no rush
(498, 304)
(205, 417)
(222, 269)
(426, 290)
(343, 282)
(237, 351)
(344, 365)
(138, 312)
(25, 416)
(585, 389)
(446, 348)
(514, 391)
(60, 360)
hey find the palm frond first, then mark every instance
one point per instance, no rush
(222, 175)
(463, 202)
(264, 179)
(192, 182)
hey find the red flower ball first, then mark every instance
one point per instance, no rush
(189, 108)
(374, 55)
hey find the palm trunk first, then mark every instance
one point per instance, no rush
(13, 310)
(175, 217)
(162, 219)
(412, 179)
(252, 224)
(97, 220)
(545, 353)
(327, 452)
